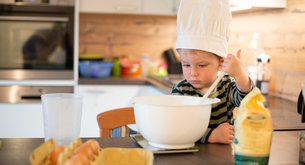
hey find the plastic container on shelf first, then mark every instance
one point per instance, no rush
(264, 74)
(130, 67)
(145, 65)
(91, 57)
(95, 69)
(116, 70)
(162, 70)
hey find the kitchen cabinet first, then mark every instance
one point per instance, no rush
(260, 3)
(113, 6)
(21, 120)
(148, 7)
(161, 7)
(101, 98)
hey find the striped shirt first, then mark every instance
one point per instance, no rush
(228, 93)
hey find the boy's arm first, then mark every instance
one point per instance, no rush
(233, 66)
(205, 137)
(224, 133)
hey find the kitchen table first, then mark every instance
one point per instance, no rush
(17, 152)
(284, 150)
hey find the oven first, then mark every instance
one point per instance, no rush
(36, 39)
(37, 49)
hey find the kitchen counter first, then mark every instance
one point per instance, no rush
(283, 112)
(123, 80)
(157, 82)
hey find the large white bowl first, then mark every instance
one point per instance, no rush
(171, 121)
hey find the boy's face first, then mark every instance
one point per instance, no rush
(200, 68)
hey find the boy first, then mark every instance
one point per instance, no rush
(203, 34)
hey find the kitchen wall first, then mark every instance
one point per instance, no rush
(114, 35)
(282, 36)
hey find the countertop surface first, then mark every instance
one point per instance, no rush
(157, 82)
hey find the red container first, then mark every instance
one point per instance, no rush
(130, 67)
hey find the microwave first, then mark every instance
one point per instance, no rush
(36, 39)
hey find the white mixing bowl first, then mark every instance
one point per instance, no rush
(171, 121)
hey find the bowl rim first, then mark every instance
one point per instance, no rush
(216, 100)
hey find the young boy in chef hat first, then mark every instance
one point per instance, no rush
(203, 34)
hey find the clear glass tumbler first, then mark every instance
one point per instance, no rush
(62, 117)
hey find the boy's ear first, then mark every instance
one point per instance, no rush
(220, 63)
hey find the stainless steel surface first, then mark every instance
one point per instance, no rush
(20, 58)
(62, 3)
(40, 2)
(22, 18)
(28, 94)
(18, 74)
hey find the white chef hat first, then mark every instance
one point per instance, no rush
(204, 25)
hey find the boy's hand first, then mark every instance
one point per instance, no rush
(224, 133)
(233, 66)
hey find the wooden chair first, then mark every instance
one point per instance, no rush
(114, 118)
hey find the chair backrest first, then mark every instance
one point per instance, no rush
(114, 118)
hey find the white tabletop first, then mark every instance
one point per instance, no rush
(284, 148)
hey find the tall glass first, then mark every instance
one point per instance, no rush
(62, 117)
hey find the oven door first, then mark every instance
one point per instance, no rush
(36, 42)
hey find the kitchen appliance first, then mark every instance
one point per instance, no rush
(36, 39)
(29, 94)
(174, 66)
(301, 104)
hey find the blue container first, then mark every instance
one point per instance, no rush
(95, 69)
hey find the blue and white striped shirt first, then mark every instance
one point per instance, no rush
(228, 93)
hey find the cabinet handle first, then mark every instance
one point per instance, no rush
(126, 8)
(31, 97)
(24, 18)
(95, 91)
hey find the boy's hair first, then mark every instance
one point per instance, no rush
(195, 50)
